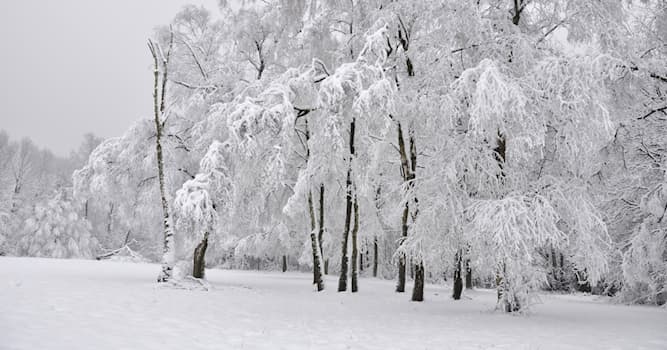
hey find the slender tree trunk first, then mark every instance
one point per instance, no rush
(320, 234)
(418, 277)
(284, 263)
(400, 287)
(199, 266)
(375, 256)
(418, 290)
(260, 56)
(355, 252)
(361, 260)
(326, 266)
(518, 8)
(408, 171)
(501, 280)
(408, 167)
(342, 281)
(317, 267)
(503, 290)
(315, 245)
(458, 281)
(468, 275)
(561, 270)
(500, 290)
(554, 270)
(168, 256)
(127, 237)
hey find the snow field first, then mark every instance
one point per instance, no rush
(79, 304)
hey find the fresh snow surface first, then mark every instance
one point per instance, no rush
(76, 304)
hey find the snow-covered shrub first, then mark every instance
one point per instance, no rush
(645, 260)
(645, 266)
(55, 230)
(507, 232)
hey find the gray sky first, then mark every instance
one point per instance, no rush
(74, 66)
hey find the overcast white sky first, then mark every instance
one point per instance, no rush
(68, 67)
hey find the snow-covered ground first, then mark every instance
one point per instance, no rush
(75, 304)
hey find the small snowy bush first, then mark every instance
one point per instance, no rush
(55, 230)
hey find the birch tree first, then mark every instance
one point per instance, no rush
(160, 65)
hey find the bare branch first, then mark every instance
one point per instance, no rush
(661, 109)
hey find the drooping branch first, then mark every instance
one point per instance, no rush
(661, 109)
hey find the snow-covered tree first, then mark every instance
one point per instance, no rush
(56, 230)
(519, 140)
(198, 201)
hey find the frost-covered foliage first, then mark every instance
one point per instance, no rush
(644, 259)
(28, 176)
(55, 230)
(525, 138)
(202, 200)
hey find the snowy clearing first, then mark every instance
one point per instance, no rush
(78, 304)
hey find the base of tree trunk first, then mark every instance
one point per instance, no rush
(355, 250)
(199, 266)
(342, 280)
(508, 307)
(375, 257)
(458, 281)
(458, 286)
(418, 290)
(165, 274)
(284, 263)
(361, 261)
(317, 267)
(400, 287)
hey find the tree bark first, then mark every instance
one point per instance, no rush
(518, 8)
(501, 282)
(361, 261)
(418, 290)
(458, 281)
(405, 170)
(375, 256)
(317, 267)
(315, 245)
(503, 290)
(355, 251)
(342, 281)
(320, 234)
(400, 287)
(418, 276)
(168, 256)
(199, 265)
(284, 263)
(500, 291)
